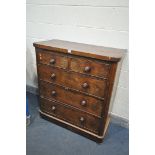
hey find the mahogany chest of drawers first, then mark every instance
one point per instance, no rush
(76, 85)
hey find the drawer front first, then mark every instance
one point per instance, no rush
(96, 68)
(83, 102)
(70, 115)
(73, 80)
(50, 58)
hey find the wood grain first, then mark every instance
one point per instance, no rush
(71, 115)
(76, 88)
(92, 51)
(95, 86)
(70, 97)
(96, 68)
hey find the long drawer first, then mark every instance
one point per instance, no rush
(71, 115)
(67, 96)
(73, 80)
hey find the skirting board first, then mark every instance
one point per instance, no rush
(31, 89)
(114, 118)
(119, 120)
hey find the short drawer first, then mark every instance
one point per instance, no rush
(71, 115)
(53, 59)
(67, 96)
(81, 82)
(91, 67)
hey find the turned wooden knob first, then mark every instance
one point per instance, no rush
(53, 93)
(83, 103)
(87, 69)
(52, 61)
(53, 108)
(82, 119)
(85, 85)
(53, 76)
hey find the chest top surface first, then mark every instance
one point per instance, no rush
(80, 49)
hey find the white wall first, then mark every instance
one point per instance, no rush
(99, 22)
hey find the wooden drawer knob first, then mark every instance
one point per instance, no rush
(53, 76)
(53, 108)
(52, 61)
(82, 119)
(83, 103)
(54, 93)
(85, 85)
(87, 69)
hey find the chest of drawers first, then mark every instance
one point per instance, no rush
(76, 85)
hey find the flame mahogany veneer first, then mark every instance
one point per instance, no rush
(76, 85)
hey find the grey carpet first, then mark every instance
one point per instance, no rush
(46, 138)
